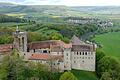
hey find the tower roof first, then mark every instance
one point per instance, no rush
(76, 41)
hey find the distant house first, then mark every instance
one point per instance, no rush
(105, 24)
(81, 20)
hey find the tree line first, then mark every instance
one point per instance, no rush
(7, 19)
(47, 31)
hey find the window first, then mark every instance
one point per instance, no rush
(44, 51)
(77, 53)
(91, 53)
(83, 61)
(67, 54)
(85, 53)
(34, 50)
(74, 61)
(49, 51)
(80, 53)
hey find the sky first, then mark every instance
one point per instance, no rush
(67, 2)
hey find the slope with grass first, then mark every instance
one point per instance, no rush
(80, 75)
(110, 43)
(84, 75)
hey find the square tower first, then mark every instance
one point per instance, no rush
(20, 40)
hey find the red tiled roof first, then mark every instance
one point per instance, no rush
(41, 44)
(6, 48)
(42, 56)
(45, 44)
(68, 45)
(39, 56)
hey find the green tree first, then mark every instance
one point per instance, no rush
(68, 76)
(56, 36)
(99, 55)
(111, 65)
(106, 76)
(12, 67)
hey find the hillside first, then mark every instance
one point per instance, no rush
(98, 9)
(110, 43)
(56, 10)
(59, 10)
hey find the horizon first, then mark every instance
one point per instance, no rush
(64, 2)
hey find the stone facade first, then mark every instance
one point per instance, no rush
(20, 40)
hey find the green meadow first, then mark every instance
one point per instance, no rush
(110, 43)
(80, 75)
(84, 75)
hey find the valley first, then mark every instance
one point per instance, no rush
(51, 22)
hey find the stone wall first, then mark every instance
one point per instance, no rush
(83, 60)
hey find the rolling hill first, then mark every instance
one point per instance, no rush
(57, 10)
(98, 9)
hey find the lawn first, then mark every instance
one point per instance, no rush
(81, 75)
(110, 43)
(84, 75)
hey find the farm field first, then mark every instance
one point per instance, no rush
(110, 43)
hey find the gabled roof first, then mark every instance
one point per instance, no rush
(55, 45)
(76, 41)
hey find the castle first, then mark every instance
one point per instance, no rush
(61, 56)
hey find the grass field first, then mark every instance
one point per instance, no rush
(81, 75)
(84, 75)
(110, 43)
(20, 15)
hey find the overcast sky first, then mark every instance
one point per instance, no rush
(67, 2)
